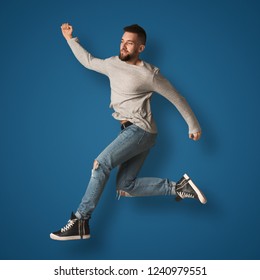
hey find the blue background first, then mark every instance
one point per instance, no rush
(55, 120)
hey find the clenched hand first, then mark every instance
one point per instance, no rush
(66, 30)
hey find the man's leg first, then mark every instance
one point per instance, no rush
(129, 143)
(129, 185)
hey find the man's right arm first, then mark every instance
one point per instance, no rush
(82, 55)
(67, 30)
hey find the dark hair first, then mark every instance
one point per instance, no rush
(135, 28)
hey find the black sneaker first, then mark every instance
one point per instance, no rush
(74, 230)
(185, 188)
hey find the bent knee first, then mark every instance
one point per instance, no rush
(126, 185)
(100, 169)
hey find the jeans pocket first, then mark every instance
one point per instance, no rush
(147, 139)
(142, 137)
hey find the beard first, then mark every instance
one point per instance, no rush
(125, 57)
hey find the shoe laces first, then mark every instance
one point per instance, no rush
(182, 182)
(186, 195)
(68, 225)
(182, 192)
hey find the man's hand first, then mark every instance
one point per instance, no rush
(66, 30)
(195, 136)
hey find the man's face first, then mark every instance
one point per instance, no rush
(129, 47)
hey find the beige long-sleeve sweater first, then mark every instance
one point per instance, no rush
(132, 87)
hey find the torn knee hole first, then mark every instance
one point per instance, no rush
(95, 165)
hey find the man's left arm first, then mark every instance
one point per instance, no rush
(165, 88)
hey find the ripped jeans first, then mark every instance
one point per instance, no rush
(128, 151)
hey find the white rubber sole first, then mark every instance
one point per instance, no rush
(202, 198)
(67, 238)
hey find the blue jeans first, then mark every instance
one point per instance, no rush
(128, 151)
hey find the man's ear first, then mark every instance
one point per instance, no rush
(141, 48)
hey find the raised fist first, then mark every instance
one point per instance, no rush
(66, 30)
